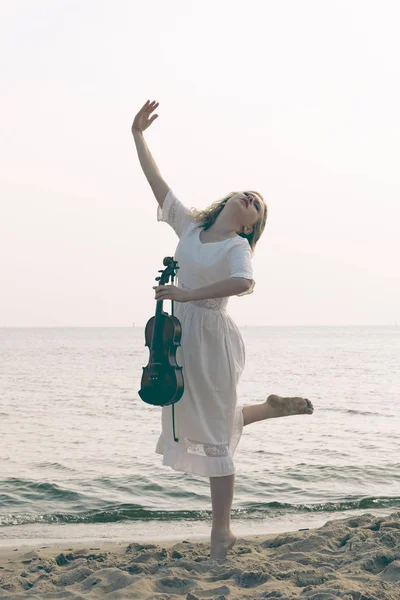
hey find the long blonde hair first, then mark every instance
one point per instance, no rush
(208, 216)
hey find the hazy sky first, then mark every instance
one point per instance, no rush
(298, 100)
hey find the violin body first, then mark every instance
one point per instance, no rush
(162, 381)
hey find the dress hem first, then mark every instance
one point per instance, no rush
(176, 456)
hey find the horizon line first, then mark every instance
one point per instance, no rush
(395, 324)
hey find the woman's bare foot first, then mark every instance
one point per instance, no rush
(276, 406)
(221, 542)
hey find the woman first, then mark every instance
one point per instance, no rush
(214, 258)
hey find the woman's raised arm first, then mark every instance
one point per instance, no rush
(141, 122)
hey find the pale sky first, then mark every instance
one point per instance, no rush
(298, 100)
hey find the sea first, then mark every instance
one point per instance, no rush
(77, 443)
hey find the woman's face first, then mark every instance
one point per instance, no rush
(251, 206)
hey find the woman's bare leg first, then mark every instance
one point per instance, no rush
(222, 538)
(276, 406)
(254, 413)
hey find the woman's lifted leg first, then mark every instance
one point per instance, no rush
(277, 406)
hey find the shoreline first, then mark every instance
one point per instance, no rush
(36, 534)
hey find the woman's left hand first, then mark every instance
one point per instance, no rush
(170, 292)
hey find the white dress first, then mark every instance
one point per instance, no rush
(208, 421)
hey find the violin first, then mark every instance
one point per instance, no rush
(162, 379)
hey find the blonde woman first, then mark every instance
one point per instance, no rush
(214, 254)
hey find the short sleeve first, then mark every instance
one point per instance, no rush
(240, 265)
(174, 213)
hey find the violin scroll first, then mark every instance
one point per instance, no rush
(170, 271)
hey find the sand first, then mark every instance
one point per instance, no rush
(357, 558)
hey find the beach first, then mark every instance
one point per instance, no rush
(88, 510)
(357, 558)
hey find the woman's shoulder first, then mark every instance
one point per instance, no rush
(240, 246)
(242, 241)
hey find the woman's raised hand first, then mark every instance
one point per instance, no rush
(142, 120)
